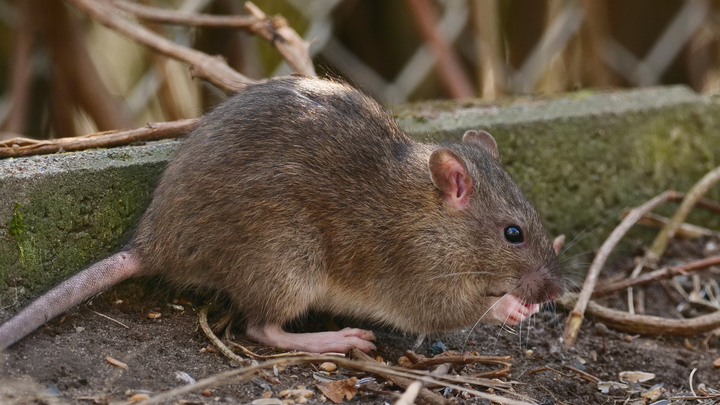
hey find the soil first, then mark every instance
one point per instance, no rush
(65, 360)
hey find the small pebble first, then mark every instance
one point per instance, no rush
(267, 401)
(138, 398)
(438, 347)
(79, 329)
(328, 366)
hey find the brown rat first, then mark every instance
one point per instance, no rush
(302, 194)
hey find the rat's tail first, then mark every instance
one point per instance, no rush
(69, 293)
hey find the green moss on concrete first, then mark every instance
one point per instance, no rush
(70, 225)
(16, 228)
(81, 209)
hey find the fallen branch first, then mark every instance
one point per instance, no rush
(693, 196)
(572, 325)
(661, 241)
(250, 372)
(109, 318)
(213, 69)
(657, 275)
(275, 29)
(589, 377)
(449, 67)
(252, 354)
(424, 394)
(202, 317)
(647, 324)
(20, 71)
(151, 132)
(426, 363)
(412, 391)
(685, 231)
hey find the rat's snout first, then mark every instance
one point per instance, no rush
(542, 284)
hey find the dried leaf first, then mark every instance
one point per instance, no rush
(635, 376)
(336, 390)
(138, 398)
(654, 393)
(606, 386)
(404, 362)
(115, 362)
(300, 395)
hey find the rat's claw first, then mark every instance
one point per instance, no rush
(361, 333)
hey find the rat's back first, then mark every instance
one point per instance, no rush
(244, 204)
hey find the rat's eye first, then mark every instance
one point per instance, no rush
(513, 234)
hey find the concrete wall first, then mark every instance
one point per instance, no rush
(580, 158)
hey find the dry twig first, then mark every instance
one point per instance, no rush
(557, 401)
(656, 275)
(252, 354)
(589, 377)
(247, 373)
(424, 394)
(408, 397)
(273, 29)
(202, 316)
(572, 325)
(670, 229)
(685, 231)
(21, 72)
(537, 370)
(646, 324)
(439, 360)
(213, 69)
(449, 67)
(426, 363)
(109, 318)
(151, 132)
(691, 198)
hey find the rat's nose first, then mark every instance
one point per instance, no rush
(542, 285)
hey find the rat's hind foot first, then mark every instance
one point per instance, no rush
(321, 342)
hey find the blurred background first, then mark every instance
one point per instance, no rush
(62, 74)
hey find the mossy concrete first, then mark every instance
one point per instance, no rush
(58, 213)
(580, 157)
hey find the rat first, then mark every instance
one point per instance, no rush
(301, 194)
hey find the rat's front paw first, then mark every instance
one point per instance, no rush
(510, 310)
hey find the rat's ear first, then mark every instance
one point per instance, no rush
(451, 177)
(484, 140)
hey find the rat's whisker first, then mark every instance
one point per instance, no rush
(480, 320)
(585, 232)
(466, 273)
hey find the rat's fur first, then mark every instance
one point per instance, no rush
(301, 194)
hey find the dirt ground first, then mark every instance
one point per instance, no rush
(65, 360)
